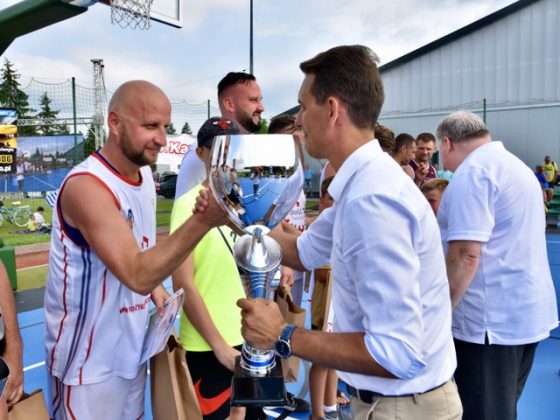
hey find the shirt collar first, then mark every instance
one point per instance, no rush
(355, 161)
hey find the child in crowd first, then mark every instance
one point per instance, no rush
(323, 382)
(433, 191)
(37, 222)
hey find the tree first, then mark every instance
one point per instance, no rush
(11, 96)
(47, 114)
(171, 129)
(186, 128)
(89, 142)
(264, 126)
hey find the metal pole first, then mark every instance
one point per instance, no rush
(484, 110)
(251, 41)
(208, 108)
(75, 118)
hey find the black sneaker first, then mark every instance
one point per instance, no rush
(296, 404)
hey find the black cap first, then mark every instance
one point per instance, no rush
(212, 127)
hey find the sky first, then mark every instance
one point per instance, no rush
(188, 63)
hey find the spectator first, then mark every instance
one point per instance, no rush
(550, 171)
(240, 101)
(39, 220)
(385, 137)
(492, 225)
(209, 328)
(12, 345)
(548, 192)
(404, 151)
(433, 191)
(421, 164)
(323, 382)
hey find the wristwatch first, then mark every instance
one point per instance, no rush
(283, 347)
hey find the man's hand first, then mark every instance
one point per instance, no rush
(286, 276)
(14, 386)
(159, 295)
(420, 173)
(226, 355)
(261, 323)
(213, 213)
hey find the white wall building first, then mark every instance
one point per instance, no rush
(507, 63)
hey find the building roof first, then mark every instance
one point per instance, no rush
(481, 23)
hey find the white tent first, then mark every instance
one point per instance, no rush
(171, 155)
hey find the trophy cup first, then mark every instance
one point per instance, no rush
(257, 179)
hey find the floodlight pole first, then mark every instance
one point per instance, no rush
(251, 40)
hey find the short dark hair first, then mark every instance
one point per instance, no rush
(403, 139)
(40, 208)
(280, 122)
(385, 137)
(349, 73)
(426, 138)
(234, 78)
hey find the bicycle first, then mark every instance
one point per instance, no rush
(16, 215)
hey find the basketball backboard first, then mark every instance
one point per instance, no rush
(169, 12)
(20, 17)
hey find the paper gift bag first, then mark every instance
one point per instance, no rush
(171, 387)
(31, 406)
(292, 314)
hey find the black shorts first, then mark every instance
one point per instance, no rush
(212, 383)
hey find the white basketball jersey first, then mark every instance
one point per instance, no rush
(95, 325)
(296, 216)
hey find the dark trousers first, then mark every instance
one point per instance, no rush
(490, 378)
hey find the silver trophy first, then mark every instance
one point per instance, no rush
(257, 179)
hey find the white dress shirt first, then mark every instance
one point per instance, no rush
(389, 272)
(495, 199)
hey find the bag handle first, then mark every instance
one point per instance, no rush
(285, 293)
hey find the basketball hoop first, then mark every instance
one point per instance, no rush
(133, 14)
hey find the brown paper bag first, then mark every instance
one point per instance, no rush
(292, 314)
(31, 406)
(171, 387)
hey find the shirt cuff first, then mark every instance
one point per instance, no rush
(395, 356)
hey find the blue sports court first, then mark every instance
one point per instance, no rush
(539, 401)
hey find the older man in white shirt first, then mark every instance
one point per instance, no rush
(393, 343)
(492, 224)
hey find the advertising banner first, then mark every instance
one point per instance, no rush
(8, 140)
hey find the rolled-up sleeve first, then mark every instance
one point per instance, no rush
(315, 244)
(383, 266)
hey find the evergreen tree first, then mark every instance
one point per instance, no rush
(62, 129)
(264, 127)
(11, 96)
(89, 142)
(186, 128)
(171, 129)
(48, 115)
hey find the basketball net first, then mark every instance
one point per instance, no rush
(133, 14)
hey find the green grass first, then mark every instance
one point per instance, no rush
(32, 278)
(12, 234)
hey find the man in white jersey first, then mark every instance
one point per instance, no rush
(392, 342)
(104, 265)
(492, 224)
(240, 101)
(286, 124)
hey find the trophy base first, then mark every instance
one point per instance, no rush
(259, 391)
